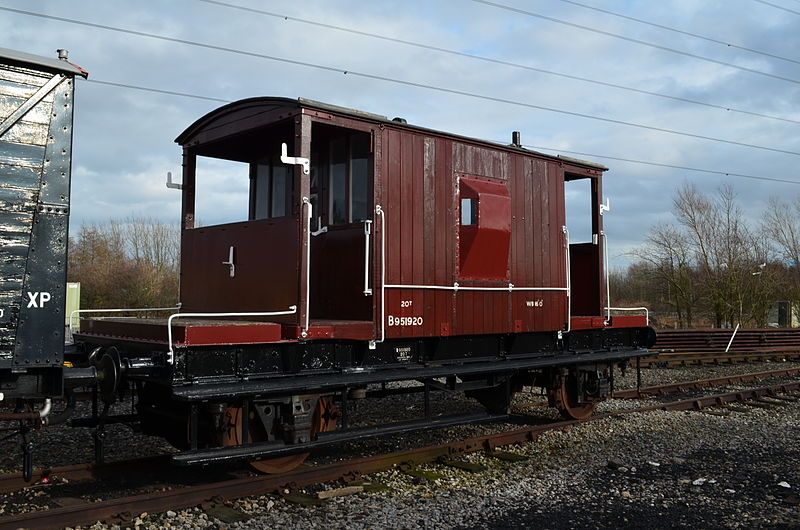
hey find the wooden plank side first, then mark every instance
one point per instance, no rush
(392, 215)
(19, 177)
(406, 234)
(555, 245)
(558, 194)
(429, 220)
(40, 113)
(14, 154)
(24, 76)
(450, 242)
(24, 132)
(417, 204)
(540, 252)
(516, 187)
(441, 234)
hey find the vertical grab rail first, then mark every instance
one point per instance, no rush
(608, 283)
(367, 231)
(379, 213)
(569, 279)
(309, 214)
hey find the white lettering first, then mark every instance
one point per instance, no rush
(535, 303)
(404, 321)
(406, 303)
(38, 299)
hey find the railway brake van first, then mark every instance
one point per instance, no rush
(374, 251)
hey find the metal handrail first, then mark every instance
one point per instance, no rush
(646, 311)
(115, 310)
(171, 355)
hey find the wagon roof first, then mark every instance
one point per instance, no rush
(223, 116)
(39, 62)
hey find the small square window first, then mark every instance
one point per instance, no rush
(469, 212)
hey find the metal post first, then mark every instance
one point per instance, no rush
(427, 400)
(27, 455)
(245, 422)
(345, 409)
(193, 427)
(638, 376)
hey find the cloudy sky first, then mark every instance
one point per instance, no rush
(124, 137)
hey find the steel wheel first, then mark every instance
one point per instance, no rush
(324, 419)
(563, 396)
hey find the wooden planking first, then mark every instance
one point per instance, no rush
(421, 180)
(24, 76)
(39, 113)
(14, 154)
(24, 132)
(19, 177)
(429, 221)
(416, 204)
(443, 233)
(393, 219)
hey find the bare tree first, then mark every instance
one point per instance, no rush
(668, 252)
(129, 263)
(781, 224)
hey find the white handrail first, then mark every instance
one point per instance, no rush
(569, 279)
(139, 310)
(457, 287)
(367, 231)
(608, 282)
(646, 311)
(309, 214)
(379, 212)
(171, 355)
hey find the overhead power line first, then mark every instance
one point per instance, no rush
(680, 31)
(776, 6)
(403, 82)
(670, 166)
(496, 61)
(157, 90)
(633, 40)
(538, 148)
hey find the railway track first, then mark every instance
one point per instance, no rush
(685, 386)
(185, 497)
(721, 346)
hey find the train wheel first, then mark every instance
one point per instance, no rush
(564, 397)
(324, 420)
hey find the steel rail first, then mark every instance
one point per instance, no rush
(190, 496)
(700, 359)
(683, 386)
(14, 481)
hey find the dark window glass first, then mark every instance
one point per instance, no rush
(338, 181)
(280, 181)
(359, 177)
(261, 191)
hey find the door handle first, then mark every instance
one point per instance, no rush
(230, 263)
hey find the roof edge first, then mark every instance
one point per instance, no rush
(41, 62)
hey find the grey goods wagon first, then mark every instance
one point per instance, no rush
(35, 157)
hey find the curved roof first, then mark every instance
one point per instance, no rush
(39, 62)
(255, 112)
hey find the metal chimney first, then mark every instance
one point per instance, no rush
(63, 54)
(516, 139)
